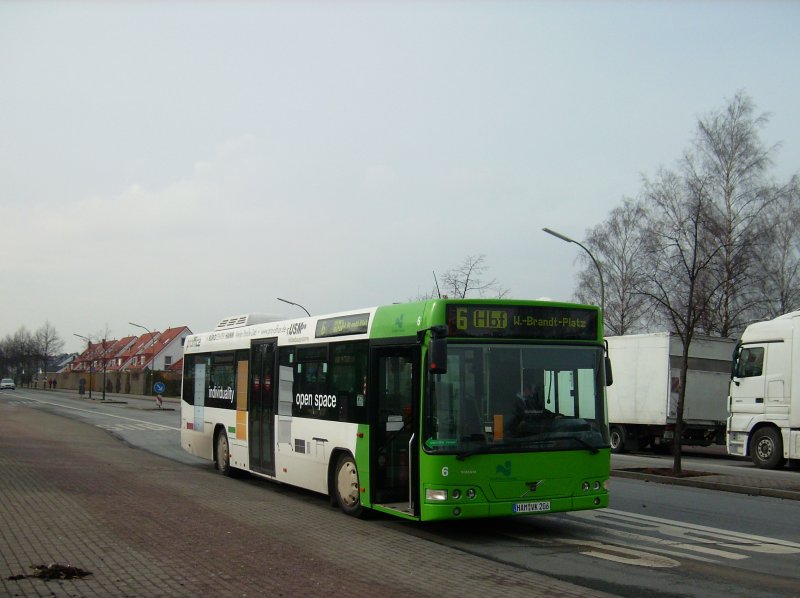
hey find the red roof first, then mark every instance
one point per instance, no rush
(115, 352)
(154, 344)
(130, 353)
(143, 347)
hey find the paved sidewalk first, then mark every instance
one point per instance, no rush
(143, 525)
(745, 480)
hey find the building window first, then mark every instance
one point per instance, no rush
(167, 361)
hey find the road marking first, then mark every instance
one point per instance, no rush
(21, 403)
(95, 412)
(139, 427)
(620, 554)
(676, 528)
(683, 540)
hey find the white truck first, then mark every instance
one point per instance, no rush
(764, 420)
(643, 400)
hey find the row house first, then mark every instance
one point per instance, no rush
(113, 354)
(157, 351)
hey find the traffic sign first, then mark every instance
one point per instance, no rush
(159, 387)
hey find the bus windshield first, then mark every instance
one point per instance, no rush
(497, 398)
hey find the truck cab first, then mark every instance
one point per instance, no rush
(763, 405)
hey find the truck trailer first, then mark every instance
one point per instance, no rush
(643, 401)
(764, 421)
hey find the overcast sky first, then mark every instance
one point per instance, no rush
(173, 163)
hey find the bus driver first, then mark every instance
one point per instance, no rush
(528, 410)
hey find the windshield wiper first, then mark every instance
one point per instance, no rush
(498, 448)
(485, 449)
(533, 441)
(590, 447)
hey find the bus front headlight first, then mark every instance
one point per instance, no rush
(435, 495)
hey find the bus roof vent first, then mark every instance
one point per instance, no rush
(246, 320)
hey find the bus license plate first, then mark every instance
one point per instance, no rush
(532, 507)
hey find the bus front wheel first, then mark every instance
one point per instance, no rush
(348, 493)
(223, 456)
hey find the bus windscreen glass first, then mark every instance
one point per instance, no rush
(511, 397)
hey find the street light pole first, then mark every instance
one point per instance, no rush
(596, 264)
(153, 347)
(91, 363)
(293, 303)
(104, 369)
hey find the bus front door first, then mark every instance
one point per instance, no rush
(394, 443)
(261, 407)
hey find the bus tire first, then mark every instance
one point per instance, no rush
(346, 487)
(222, 455)
(617, 435)
(766, 448)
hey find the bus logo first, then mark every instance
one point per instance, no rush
(505, 469)
(297, 328)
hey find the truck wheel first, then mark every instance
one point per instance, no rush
(617, 435)
(348, 492)
(766, 448)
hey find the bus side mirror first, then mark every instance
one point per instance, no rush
(437, 351)
(607, 365)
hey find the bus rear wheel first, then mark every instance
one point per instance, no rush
(348, 492)
(766, 448)
(223, 455)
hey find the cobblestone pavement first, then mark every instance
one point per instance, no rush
(146, 526)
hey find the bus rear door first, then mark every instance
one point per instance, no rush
(261, 406)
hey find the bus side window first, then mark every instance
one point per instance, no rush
(348, 380)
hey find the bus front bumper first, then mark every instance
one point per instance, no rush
(468, 510)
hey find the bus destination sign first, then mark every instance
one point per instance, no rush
(522, 322)
(342, 325)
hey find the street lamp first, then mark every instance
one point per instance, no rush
(91, 363)
(293, 303)
(153, 346)
(599, 271)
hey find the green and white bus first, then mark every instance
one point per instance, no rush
(440, 409)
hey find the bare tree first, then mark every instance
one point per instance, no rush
(779, 255)
(19, 355)
(617, 244)
(733, 161)
(466, 279)
(681, 255)
(48, 343)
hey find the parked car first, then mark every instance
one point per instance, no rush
(7, 383)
